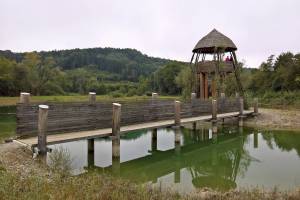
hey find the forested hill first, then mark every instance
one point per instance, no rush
(121, 64)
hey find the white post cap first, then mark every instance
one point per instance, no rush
(43, 106)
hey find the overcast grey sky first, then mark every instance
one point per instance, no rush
(162, 28)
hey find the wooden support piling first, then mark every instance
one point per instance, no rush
(214, 110)
(214, 127)
(177, 136)
(91, 152)
(116, 165)
(194, 126)
(241, 112)
(241, 106)
(115, 147)
(154, 140)
(24, 97)
(116, 119)
(91, 143)
(255, 141)
(42, 129)
(154, 134)
(92, 97)
(177, 113)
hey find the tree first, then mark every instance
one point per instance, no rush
(6, 77)
(164, 79)
(183, 81)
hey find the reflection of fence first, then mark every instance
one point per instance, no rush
(67, 117)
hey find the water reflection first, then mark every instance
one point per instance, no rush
(186, 159)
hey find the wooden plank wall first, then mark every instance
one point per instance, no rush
(68, 117)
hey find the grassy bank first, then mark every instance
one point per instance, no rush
(9, 101)
(280, 100)
(95, 186)
(7, 126)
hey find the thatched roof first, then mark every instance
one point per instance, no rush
(215, 41)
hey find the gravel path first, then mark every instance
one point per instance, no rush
(276, 119)
(16, 158)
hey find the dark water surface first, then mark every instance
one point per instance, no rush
(232, 158)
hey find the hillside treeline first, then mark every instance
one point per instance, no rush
(104, 70)
(128, 72)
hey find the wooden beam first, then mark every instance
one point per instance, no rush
(202, 86)
(237, 74)
(206, 86)
(213, 87)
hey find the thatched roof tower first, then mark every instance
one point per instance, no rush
(209, 75)
(213, 42)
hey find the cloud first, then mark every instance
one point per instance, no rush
(168, 28)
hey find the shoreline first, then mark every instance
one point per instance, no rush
(275, 119)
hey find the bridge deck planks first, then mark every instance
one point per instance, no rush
(72, 136)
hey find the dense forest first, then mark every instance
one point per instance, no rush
(119, 72)
(103, 70)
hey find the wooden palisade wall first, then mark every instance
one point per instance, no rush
(68, 117)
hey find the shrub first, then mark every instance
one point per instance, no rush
(60, 162)
(116, 94)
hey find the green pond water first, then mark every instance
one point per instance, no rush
(232, 158)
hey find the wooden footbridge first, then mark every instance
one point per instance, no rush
(40, 125)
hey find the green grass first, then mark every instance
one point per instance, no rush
(281, 100)
(9, 101)
(104, 187)
(7, 126)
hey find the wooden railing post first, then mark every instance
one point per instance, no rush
(177, 113)
(24, 97)
(193, 96)
(255, 106)
(222, 95)
(214, 110)
(154, 96)
(92, 97)
(116, 119)
(42, 129)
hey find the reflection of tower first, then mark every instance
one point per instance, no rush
(220, 170)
